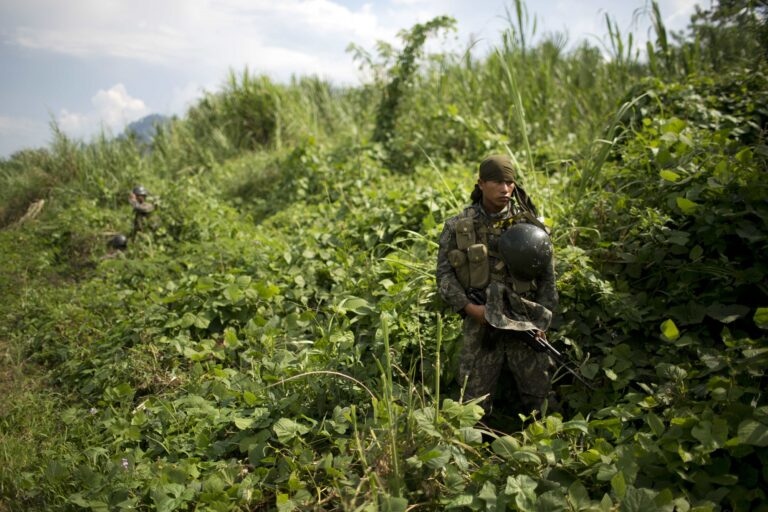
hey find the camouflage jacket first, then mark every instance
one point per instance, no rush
(489, 229)
(142, 208)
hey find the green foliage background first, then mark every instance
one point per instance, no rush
(277, 343)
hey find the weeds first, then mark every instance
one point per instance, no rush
(278, 342)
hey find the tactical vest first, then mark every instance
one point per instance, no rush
(476, 259)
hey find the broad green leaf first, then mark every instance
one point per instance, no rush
(754, 433)
(243, 423)
(435, 458)
(389, 503)
(526, 456)
(233, 293)
(657, 426)
(467, 414)
(576, 425)
(680, 238)
(471, 435)
(671, 372)
(696, 253)
(605, 472)
(579, 496)
(669, 175)
(521, 484)
(266, 290)
(727, 313)
(243, 281)
(202, 322)
(619, 485)
(665, 499)
(461, 501)
(488, 495)
(639, 500)
(589, 370)
(187, 320)
(505, 446)
(673, 125)
(606, 504)
(249, 398)
(590, 457)
(669, 330)
(761, 318)
(357, 305)
(551, 500)
(745, 155)
(687, 206)
(284, 503)
(286, 429)
(194, 355)
(205, 284)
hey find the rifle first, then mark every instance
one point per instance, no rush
(537, 340)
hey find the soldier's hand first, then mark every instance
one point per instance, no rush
(131, 196)
(476, 311)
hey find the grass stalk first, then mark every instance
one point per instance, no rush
(439, 340)
(388, 401)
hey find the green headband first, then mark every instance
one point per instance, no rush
(497, 168)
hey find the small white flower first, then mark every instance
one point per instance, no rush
(93, 410)
(124, 463)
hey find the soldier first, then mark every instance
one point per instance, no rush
(115, 246)
(501, 278)
(141, 209)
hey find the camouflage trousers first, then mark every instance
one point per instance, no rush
(481, 362)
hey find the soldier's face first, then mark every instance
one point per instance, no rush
(496, 194)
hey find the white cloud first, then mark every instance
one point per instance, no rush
(73, 123)
(116, 108)
(201, 31)
(151, 46)
(113, 109)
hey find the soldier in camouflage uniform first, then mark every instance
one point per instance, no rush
(141, 209)
(469, 265)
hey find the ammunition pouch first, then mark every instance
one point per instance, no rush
(479, 271)
(465, 233)
(460, 263)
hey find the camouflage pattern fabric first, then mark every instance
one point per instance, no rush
(480, 362)
(448, 284)
(483, 357)
(507, 310)
(141, 213)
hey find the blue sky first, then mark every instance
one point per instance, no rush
(100, 64)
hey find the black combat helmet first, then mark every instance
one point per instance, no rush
(526, 250)
(118, 242)
(140, 191)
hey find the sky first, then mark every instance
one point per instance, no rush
(92, 65)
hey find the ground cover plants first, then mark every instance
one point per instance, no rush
(277, 342)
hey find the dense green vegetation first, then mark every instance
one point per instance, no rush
(277, 341)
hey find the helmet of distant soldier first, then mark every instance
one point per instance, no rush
(118, 242)
(140, 191)
(526, 250)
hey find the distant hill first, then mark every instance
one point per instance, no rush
(145, 128)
